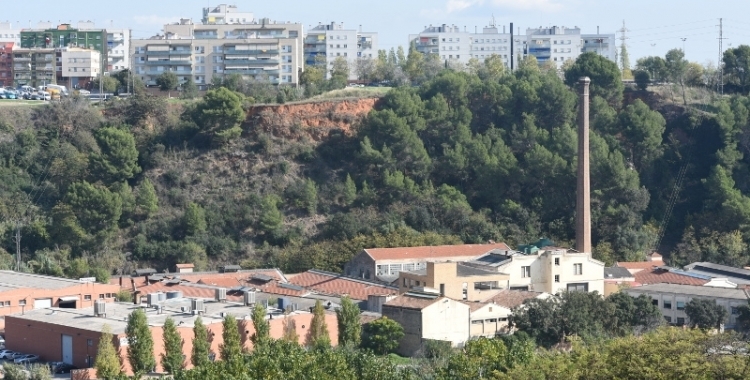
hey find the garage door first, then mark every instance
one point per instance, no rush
(42, 303)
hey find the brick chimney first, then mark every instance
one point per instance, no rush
(583, 190)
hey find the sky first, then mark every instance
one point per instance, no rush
(655, 26)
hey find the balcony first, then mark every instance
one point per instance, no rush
(155, 52)
(248, 71)
(233, 51)
(167, 62)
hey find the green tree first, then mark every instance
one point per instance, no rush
(188, 89)
(117, 159)
(350, 191)
(290, 331)
(109, 84)
(167, 81)
(347, 318)
(382, 335)
(107, 363)
(140, 343)
(201, 346)
(643, 130)
(262, 334)
(606, 78)
(147, 202)
(172, 360)
(39, 371)
(95, 207)
(642, 79)
(310, 197)
(655, 66)
(230, 349)
(219, 115)
(705, 314)
(270, 217)
(14, 372)
(339, 73)
(194, 219)
(676, 67)
(737, 65)
(317, 336)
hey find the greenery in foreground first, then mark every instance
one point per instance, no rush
(472, 154)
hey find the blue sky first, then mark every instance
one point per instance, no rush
(655, 25)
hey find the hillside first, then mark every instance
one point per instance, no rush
(462, 158)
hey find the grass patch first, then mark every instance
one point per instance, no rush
(399, 360)
(353, 92)
(21, 103)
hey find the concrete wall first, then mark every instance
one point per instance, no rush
(361, 266)
(489, 321)
(411, 320)
(446, 320)
(674, 313)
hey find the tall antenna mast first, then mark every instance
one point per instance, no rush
(721, 53)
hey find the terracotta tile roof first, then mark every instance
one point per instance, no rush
(512, 298)
(415, 303)
(474, 306)
(635, 266)
(280, 289)
(434, 252)
(656, 276)
(204, 277)
(188, 291)
(339, 285)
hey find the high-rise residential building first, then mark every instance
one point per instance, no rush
(328, 42)
(555, 44)
(79, 67)
(226, 14)
(256, 49)
(9, 34)
(6, 63)
(602, 44)
(118, 46)
(34, 66)
(447, 41)
(493, 42)
(65, 36)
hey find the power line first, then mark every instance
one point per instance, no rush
(669, 26)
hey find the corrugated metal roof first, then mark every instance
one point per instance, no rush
(691, 290)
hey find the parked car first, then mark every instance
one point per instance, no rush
(16, 355)
(44, 95)
(6, 354)
(28, 358)
(60, 367)
(10, 95)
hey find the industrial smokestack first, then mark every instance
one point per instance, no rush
(583, 190)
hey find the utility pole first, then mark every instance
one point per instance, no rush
(624, 57)
(721, 53)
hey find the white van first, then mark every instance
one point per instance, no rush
(62, 89)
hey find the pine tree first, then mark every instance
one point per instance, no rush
(350, 190)
(262, 328)
(625, 62)
(107, 363)
(231, 348)
(290, 330)
(201, 345)
(347, 317)
(172, 359)
(140, 343)
(146, 199)
(194, 219)
(317, 336)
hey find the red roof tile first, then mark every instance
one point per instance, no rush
(434, 252)
(338, 285)
(646, 277)
(638, 265)
(187, 291)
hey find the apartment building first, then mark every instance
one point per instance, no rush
(454, 280)
(226, 14)
(79, 67)
(10, 34)
(331, 41)
(447, 41)
(6, 63)
(602, 44)
(66, 36)
(34, 66)
(551, 270)
(262, 50)
(493, 42)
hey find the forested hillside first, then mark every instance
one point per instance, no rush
(467, 156)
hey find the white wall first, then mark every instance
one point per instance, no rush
(544, 270)
(446, 320)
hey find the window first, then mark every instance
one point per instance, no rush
(442, 289)
(22, 303)
(381, 270)
(578, 269)
(680, 305)
(557, 278)
(582, 287)
(667, 304)
(526, 272)
(87, 297)
(668, 319)
(404, 281)
(680, 321)
(735, 311)
(557, 261)
(101, 296)
(655, 302)
(7, 303)
(89, 342)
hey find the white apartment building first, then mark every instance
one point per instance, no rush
(79, 66)
(9, 34)
(555, 44)
(226, 14)
(493, 42)
(447, 41)
(602, 44)
(262, 50)
(550, 270)
(333, 41)
(118, 46)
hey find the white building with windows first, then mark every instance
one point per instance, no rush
(259, 50)
(9, 34)
(602, 44)
(493, 42)
(550, 270)
(226, 14)
(331, 41)
(555, 44)
(79, 66)
(118, 46)
(447, 41)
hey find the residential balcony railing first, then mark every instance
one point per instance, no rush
(167, 62)
(248, 71)
(233, 51)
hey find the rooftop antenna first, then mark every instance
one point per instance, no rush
(493, 21)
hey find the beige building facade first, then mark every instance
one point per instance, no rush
(454, 280)
(264, 51)
(79, 66)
